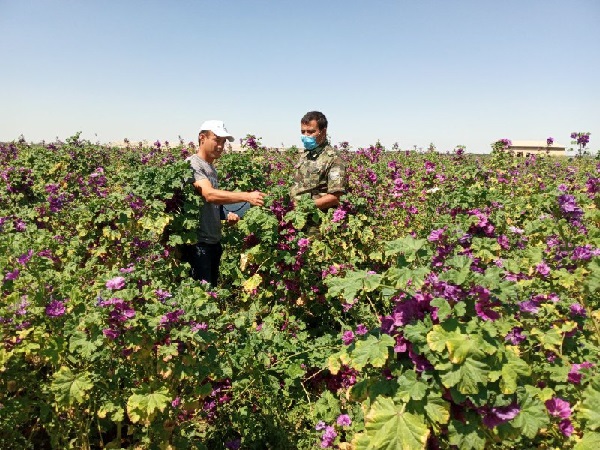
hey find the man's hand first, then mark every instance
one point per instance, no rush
(232, 218)
(255, 198)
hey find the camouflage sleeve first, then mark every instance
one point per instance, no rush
(336, 180)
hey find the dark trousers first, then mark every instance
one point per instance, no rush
(204, 259)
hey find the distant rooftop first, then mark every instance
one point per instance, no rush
(537, 144)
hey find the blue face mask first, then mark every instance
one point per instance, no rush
(310, 142)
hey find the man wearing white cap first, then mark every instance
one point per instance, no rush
(205, 256)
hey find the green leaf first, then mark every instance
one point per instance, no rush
(444, 309)
(143, 405)
(390, 427)
(589, 441)
(69, 388)
(437, 409)
(590, 406)
(511, 371)
(466, 436)
(374, 351)
(79, 344)
(593, 280)
(467, 376)
(532, 417)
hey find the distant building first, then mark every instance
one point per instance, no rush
(526, 148)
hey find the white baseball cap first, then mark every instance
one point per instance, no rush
(217, 127)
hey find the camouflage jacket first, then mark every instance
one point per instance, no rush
(318, 172)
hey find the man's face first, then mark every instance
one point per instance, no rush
(312, 129)
(212, 144)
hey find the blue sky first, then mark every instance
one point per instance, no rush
(462, 72)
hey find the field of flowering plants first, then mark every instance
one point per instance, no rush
(451, 301)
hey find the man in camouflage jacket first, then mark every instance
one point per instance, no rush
(320, 171)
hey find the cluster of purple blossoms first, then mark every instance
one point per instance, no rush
(549, 141)
(348, 337)
(582, 139)
(560, 408)
(577, 309)
(329, 433)
(585, 252)
(220, 394)
(120, 313)
(543, 269)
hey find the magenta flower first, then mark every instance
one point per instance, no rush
(12, 275)
(338, 215)
(492, 417)
(303, 242)
(566, 427)
(558, 407)
(361, 330)
(549, 141)
(543, 269)
(55, 308)
(577, 310)
(115, 283)
(344, 420)
(575, 372)
(162, 295)
(320, 425)
(110, 333)
(348, 337)
(328, 437)
(24, 258)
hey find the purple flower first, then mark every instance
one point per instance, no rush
(549, 141)
(543, 269)
(338, 215)
(361, 329)
(162, 295)
(344, 420)
(515, 336)
(320, 426)
(115, 283)
(328, 437)
(577, 310)
(12, 275)
(575, 374)
(55, 308)
(110, 333)
(568, 207)
(348, 337)
(171, 317)
(436, 235)
(303, 243)
(127, 269)
(24, 258)
(492, 417)
(558, 407)
(529, 306)
(566, 427)
(176, 402)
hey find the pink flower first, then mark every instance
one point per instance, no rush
(575, 374)
(344, 420)
(115, 283)
(361, 329)
(348, 337)
(566, 427)
(558, 407)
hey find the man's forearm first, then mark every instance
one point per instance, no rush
(327, 201)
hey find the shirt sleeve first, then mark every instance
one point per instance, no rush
(336, 179)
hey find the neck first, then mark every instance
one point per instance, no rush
(202, 154)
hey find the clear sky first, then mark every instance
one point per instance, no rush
(460, 72)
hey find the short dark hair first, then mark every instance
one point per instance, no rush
(315, 115)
